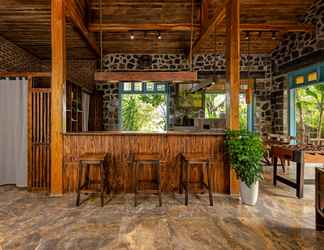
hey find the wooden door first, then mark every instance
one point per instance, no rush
(39, 130)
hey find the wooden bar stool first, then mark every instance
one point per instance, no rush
(88, 160)
(139, 159)
(189, 159)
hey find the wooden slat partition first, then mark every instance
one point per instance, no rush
(39, 139)
(120, 147)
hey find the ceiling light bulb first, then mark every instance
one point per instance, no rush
(274, 35)
(247, 36)
(132, 37)
(159, 36)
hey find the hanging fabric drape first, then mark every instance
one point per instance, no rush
(85, 108)
(13, 131)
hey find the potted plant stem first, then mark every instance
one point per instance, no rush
(246, 151)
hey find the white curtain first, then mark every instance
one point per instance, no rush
(13, 131)
(85, 108)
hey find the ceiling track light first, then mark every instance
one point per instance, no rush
(247, 35)
(132, 37)
(274, 35)
(159, 36)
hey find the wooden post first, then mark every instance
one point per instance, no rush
(232, 85)
(58, 96)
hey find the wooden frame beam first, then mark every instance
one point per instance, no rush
(25, 74)
(58, 96)
(115, 27)
(73, 14)
(204, 14)
(232, 85)
(146, 76)
(215, 20)
(282, 27)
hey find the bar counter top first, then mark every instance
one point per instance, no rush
(116, 132)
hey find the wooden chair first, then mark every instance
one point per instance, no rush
(139, 159)
(187, 161)
(88, 160)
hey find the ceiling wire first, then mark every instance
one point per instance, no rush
(101, 49)
(248, 55)
(191, 35)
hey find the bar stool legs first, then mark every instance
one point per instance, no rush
(142, 159)
(211, 202)
(159, 183)
(187, 182)
(185, 174)
(90, 160)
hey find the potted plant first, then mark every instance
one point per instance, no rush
(246, 151)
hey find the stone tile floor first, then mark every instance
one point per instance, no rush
(278, 221)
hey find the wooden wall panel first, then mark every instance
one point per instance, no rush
(120, 147)
(39, 106)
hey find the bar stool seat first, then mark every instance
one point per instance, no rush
(154, 159)
(203, 161)
(96, 160)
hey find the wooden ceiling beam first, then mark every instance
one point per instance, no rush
(215, 20)
(282, 27)
(24, 74)
(73, 14)
(146, 76)
(94, 27)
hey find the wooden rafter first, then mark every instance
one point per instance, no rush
(283, 27)
(215, 20)
(73, 14)
(204, 14)
(95, 27)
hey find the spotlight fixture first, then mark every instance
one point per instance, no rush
(132, 37)
(274, 35)
(159, 36)
(247, 35)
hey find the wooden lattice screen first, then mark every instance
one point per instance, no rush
(39, 105)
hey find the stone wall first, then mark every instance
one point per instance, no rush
(201, 63)
(177, 62)
(297, 45)
(295, 51)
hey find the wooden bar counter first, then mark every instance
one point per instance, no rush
(169, 144)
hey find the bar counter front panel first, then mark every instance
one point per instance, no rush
(121, 144)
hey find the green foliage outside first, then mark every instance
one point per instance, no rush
(310, 111)
(246, 152)
(215, 106)
(143, 112)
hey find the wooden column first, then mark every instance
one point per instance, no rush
(58, 95)
(233, 74)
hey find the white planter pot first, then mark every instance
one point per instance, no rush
(249, 196)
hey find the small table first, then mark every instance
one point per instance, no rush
(300, 154)
(93, 160)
